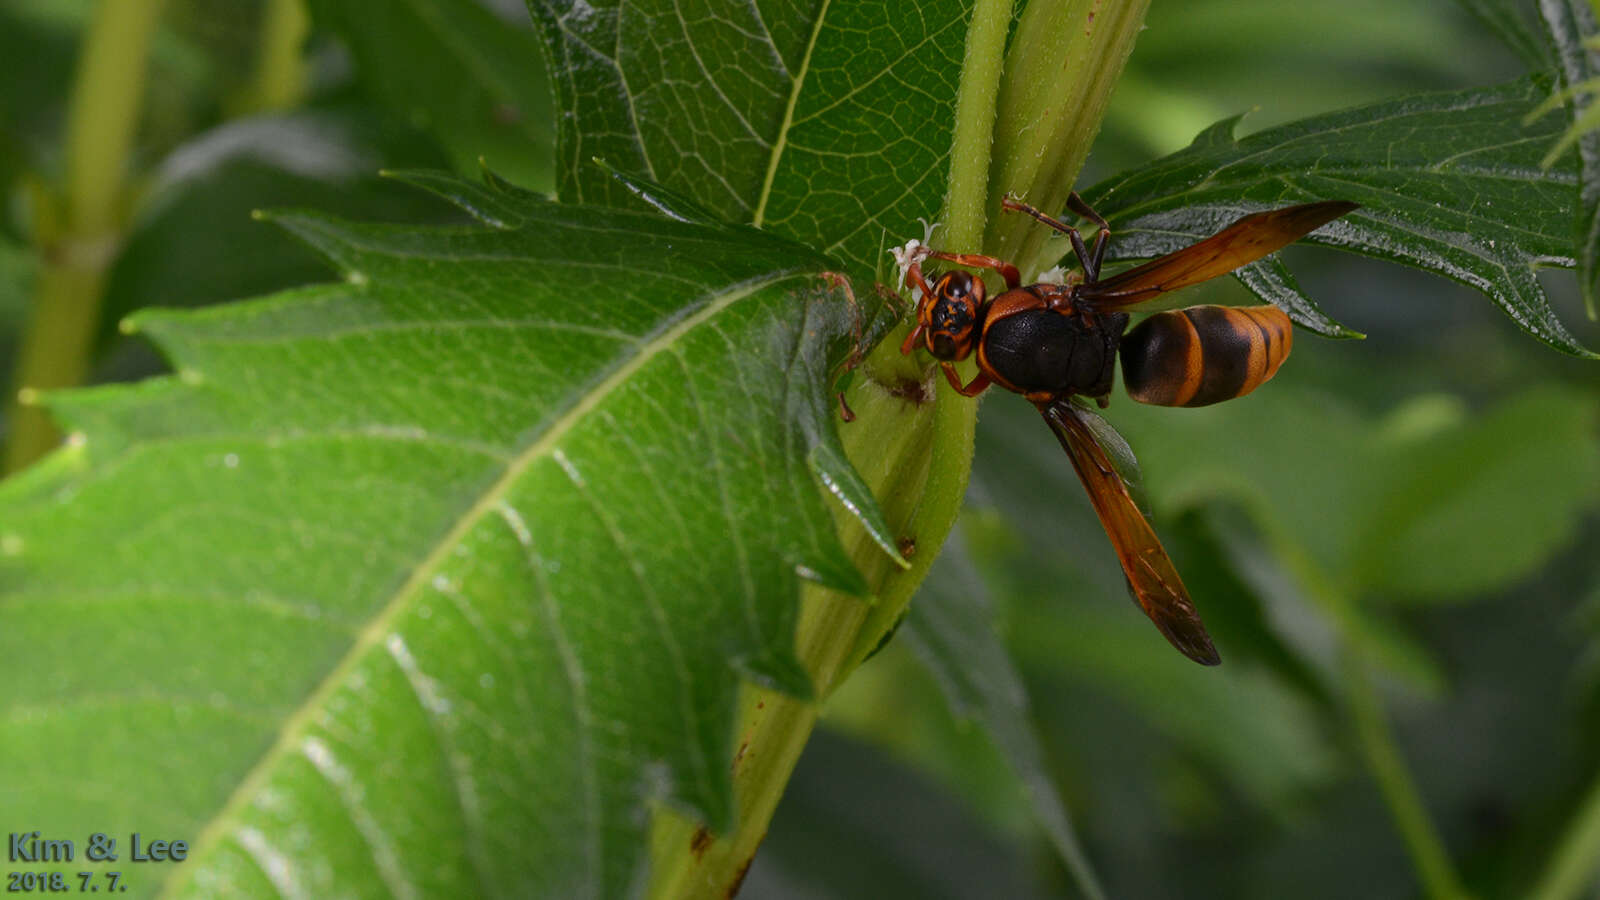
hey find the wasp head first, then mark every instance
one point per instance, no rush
(952, 315)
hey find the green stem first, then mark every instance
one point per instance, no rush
(954, 418)
(966, 206)
(1575, 865)
(1073, 52)
(77, 242)
(1362, 647)
(1400, 792)
(774, 727)
(280, 76)
(917, 463)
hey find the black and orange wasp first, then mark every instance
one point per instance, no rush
(1053, 342)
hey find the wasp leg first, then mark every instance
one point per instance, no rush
(915, 280)
(892, 297)
(839, 282)
(1098, 254)
(1089, 259)
(972, 388)
(1007, 270)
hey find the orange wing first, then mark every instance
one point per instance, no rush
(1151, 575)
(1245, 241)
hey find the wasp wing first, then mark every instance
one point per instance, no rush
(1151, 576)
(1245, 241)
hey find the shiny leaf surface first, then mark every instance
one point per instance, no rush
(829, 123)
(437, 577)
(1569, 24)
(1450, 183)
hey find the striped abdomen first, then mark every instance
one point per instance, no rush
(1204, 354)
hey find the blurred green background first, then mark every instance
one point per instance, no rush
(1408, 520)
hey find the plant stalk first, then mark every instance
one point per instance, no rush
(1360, 651)
(279, 81)
(1575, 866)
(916, 456)
(1073, 52)
(1377, 743)
(76, 236)
(955, 418)
(774, 727)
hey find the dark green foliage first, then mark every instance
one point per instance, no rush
(437, 579)
(1449, 183)
(832, 130)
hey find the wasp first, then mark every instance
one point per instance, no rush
(1052, 343)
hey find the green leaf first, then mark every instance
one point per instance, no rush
(1569, 24)
(1199, 62)
(1213, 550)
(1515, 22)
(1420, 505)
(951, 628)
(1254, 452)
(432, 581)
(1297, 462)
(474, 79)
(860, 821)
(195, 242)
(1251, 454)
(1449, 183)
(827, 123)
(1263, 737)
(1469, 508)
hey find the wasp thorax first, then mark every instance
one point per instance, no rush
(953, 315)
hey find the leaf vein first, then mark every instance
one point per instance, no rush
(669, 638)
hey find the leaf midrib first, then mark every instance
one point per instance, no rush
(782, 140)
(543, 444)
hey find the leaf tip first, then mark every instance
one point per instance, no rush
(834, 574)
(495, 182)
(664, 200)
(781, 672)
(1220, 133)
(842, 481)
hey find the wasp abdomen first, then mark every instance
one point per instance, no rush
(1204, 354)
